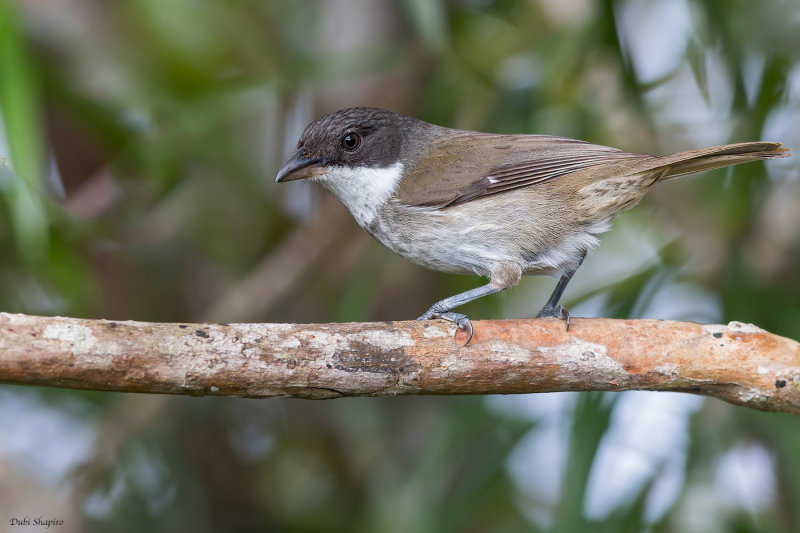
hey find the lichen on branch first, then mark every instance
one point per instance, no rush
(738, 363)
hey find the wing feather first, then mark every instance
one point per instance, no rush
(474, 165)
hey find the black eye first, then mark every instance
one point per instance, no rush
(351, 141)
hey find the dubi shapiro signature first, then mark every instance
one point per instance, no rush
(35, 521)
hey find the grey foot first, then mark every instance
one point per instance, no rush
(554, 311)
(459, 319)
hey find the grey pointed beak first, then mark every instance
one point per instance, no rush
(300, 167)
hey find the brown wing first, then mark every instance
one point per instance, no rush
(470, 165)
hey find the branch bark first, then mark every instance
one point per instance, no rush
(738, 363)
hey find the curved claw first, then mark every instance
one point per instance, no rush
(462, 321)
(459, 319)
(557, 311)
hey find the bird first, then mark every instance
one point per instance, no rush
(493, 205)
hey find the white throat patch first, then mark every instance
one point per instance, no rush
(362, 190)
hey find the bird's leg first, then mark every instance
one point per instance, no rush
(552, 309)
(441, 309)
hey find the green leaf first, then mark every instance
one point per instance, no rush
(23, 127)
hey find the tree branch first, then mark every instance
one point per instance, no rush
(738, 363)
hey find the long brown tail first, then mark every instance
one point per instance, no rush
(622, 184)
(693, 161)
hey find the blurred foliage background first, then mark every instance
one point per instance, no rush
(141, 141)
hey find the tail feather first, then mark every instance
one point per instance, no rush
(621, 185)
(683, 163)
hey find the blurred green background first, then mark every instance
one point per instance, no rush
(141, 141)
